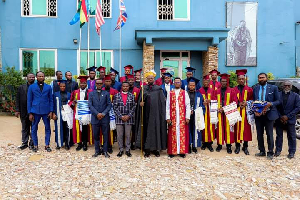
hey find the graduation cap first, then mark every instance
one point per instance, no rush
(224, 76)
(130, 76)
(101, 68)
(107, 78)
(83, 78)
(163, 70)
(214, 71)
(240, 72)
(206, 77)
(128, 67)
(168, 74)
(193, 79)
(190, 69)
(114, 71)
(92, 69)
(139, 70)
(61, 81)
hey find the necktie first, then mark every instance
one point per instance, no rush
(262, 93)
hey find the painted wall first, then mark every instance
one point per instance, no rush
(276, 25)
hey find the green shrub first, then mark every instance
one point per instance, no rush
(232, 79)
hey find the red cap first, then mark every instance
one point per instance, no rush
(139, 70)
(240, 72)
(107, 78)
(101, 68)
(214, 71)
(83, 78)
(163, 70)
(224, 76)
(128, 67)
(130, 76)
(206, 77)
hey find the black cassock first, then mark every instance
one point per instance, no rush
(155, 125)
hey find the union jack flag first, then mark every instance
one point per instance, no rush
(123, 16)
(122, 5)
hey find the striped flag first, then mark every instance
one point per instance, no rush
(122, 5)
(99, 17)
(83, 13)
(123, 16)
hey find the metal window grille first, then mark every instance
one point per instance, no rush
(165, 10)
(26, 7)
(106, 5)
(51, 8)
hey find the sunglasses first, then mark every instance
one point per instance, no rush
(287, 85)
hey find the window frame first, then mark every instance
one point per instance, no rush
(175, 19)
(38, 58)
(40, 16)
(93, 16)
(95, 51)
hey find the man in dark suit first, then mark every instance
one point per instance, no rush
(70, 84)
(288, 109)
(265, 120)
(40, 105)
(55, 83)
(21, 111)
(100, 105)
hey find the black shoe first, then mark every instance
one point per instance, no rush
(194, 149)
(147, 155)
(110, 150)
(171, 156)
(48, 149)
(229, 151)
(237, 150)
(101, 151)
(128, 153)
(203, 146)
(22, 147)
(96, 155)
(85, 147)
(210, 148)
(277, 154)
(245, 149)
(120, 154)
(219, 148)
(31, 147)
(190, 149)
(132, 147)
(182, 155)
(67, 147)
(35, 149)
(270, 156)
(79, 147)
(156, 153)
(291, 155)
(106, 155)
(57, 148)
(260, 154)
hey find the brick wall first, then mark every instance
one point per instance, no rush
(148, 57)
(210, 59)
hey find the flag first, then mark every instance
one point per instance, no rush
(99, 17)
(122, 6)
(123, 16)
(81, 14)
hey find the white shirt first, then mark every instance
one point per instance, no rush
(167, 86)
(82, 94)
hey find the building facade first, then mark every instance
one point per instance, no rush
(261, 35)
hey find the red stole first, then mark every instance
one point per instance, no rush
(135, 92)
(112, 93)
(216, 86)
(184, 133)
(208, 134)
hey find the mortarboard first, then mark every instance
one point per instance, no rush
(168, 74)
(193, 79)
(101, 68)
(241, 72)
(224, 76)
(107, 78)
(130, 76)
(83, 78)
(92, 69)
(190, 69)
(214, 71)
(163, 70)
(206, 77)
(139, 70)
(114, 71)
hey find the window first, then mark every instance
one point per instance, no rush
(107, 60)
(39, 8)
(34, 60)
(173, 10)
(106, 7)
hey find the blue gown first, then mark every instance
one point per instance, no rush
(117, 86)
(184, 85)
(164, 89)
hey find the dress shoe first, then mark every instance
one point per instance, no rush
(237, 150)
(210, 148)
(85, 147)
(203, 146)
(156, 153)
(31, 147)
(57, 148)
(35, 149)
(22, 147)
(67, 147)
(79, 147)
(48, 149)
(132, 147)
(190, 149)
(120, 154)
(96, 155)
(219, 148)
(260, 154)
(229, 151)
(182, 155)
(147, 155)
(291, 155)
(106, 155)
(128, 153)
(194, 149)
(270, 156)
(171, 156)
(110, 150)
(245, 149)
(277, 153)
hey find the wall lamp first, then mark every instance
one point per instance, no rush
(75, 41)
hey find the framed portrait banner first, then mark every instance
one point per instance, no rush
(241, 45)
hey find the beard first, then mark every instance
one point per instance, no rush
(107, 87)
(262, 82)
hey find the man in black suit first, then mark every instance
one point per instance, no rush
(55, 83)
(21, 111)
(288, 109)
(70, 84)
(265, 120)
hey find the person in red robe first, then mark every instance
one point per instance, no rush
(178, 113)
(132, 89)
(208, 134)
(161, 80)
(243, 94)
(128, 70)
(112, 92)
(101, 71)
(225, 95)
(214, 83)
(81, 137)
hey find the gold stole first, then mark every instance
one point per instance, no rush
(240, 135)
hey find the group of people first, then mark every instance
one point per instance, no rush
(164, 114)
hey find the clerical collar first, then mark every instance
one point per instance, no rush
(82, 90)
(124, 92)
(99, 90)
(285, 92)
(42, 83)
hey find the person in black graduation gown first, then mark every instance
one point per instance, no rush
(114, 83)
(155, 126)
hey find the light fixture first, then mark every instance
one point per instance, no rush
(75, 41)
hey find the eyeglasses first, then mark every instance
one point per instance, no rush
(98, 83)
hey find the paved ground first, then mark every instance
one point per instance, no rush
(76, 175)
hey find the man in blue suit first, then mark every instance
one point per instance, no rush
(288, 109)
(265, 120)
(167, 85)
(40, 105)
(100, 105)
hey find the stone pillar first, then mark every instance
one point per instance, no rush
(148, 57)
(210, 59)
(0, 52)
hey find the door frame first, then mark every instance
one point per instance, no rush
(179, 59)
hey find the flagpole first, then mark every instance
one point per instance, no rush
(120, 67)
(100, 35)
(79, 59)
(88, 62)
